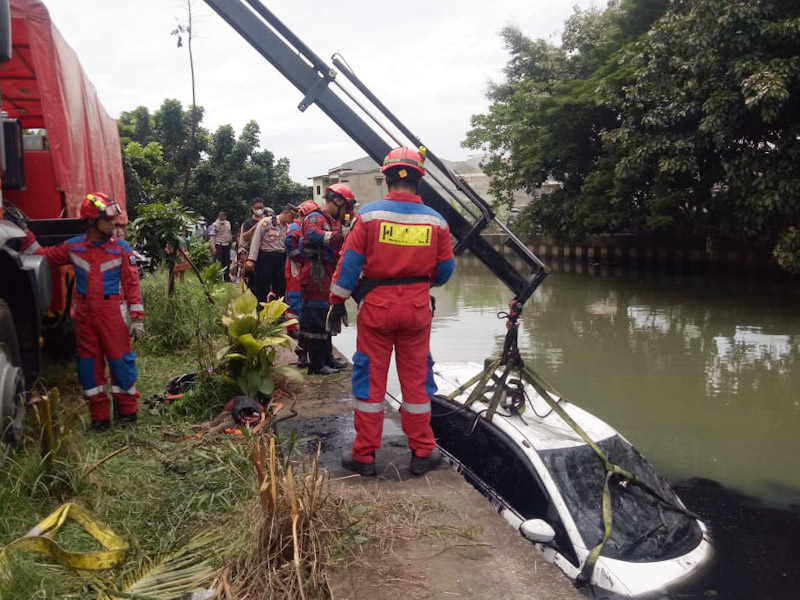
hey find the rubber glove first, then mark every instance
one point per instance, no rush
(337, 315)
(137, 329)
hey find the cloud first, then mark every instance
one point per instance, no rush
(429, 63)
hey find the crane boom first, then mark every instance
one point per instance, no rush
(314, 78)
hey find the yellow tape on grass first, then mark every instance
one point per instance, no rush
(39, 540)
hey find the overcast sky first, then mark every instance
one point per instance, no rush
(428, 61)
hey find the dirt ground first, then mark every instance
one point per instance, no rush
(450, 542)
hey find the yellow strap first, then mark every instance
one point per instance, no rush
(39, 540)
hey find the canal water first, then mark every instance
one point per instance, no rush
(702, 375)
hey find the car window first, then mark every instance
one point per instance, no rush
(643, 528)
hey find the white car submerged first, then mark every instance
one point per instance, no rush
(548, 483)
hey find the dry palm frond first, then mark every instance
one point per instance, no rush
(191, 568)
(285, 556)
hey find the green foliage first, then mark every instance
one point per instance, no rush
(249, 360)
(161, 229)
(200, 254)
(671, 117)
(183, 321)
(206, 399)
(226, 172)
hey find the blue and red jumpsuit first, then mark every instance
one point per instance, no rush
(294, 263)
(107, 297)
(404, 247)
(322, 240)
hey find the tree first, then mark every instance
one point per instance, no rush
(227, 172)
(180, 31)
(677, 117)
(550, 115)
(710, 135)
(160, 230)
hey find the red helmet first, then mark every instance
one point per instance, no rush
(341, 190)
(405, 157)
(307, 207)
(97, 205)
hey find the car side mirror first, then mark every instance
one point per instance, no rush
(537, 530)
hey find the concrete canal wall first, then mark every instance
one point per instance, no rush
(651, 253)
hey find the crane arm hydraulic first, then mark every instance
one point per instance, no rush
(316, 80)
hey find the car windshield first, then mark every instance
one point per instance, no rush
(643, 527)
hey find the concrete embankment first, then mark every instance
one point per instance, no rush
(447, 542)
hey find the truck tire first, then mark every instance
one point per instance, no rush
(12, 384)
(8, 334)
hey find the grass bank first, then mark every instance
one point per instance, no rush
(158, 487)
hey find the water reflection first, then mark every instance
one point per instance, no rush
(703, 377)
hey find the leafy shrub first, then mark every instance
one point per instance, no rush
(249, 360)
(183, 321)
(200, 254)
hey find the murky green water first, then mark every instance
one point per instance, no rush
(702, 376)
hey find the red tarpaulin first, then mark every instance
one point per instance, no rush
(44, 86)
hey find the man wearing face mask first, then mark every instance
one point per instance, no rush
(108, 306)
(267, 258)
(322, 241)
(246, 236)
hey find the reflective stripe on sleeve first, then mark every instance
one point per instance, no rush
(340, 291)
(416, 409)
(368, 407)
(32, 248)
(136, 308)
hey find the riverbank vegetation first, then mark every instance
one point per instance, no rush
(226, 171)
(244, 515)
(655, 117)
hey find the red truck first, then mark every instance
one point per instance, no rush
(57, 143)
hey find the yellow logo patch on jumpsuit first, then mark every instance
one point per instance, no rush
(405, 235)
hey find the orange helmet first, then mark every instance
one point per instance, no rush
(405, 157)
(307, 207)
(97, 205)
(342, 190)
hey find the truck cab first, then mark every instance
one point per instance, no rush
(57, 143)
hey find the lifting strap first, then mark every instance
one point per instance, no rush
(510, 361)
(39, 540)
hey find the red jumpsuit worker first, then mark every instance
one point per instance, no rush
(322, 241)
(294, 264)
(398, 247)
(108, 308)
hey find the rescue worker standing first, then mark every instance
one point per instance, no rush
(108, 307)
(294, 264)
(268, 254)
(322, 240)
(400, 248)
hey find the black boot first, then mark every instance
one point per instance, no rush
(336, 363)
(128, 420)
(420, 466)
(351, 464)
(323, 370)
(302, 358)
(100, 426)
